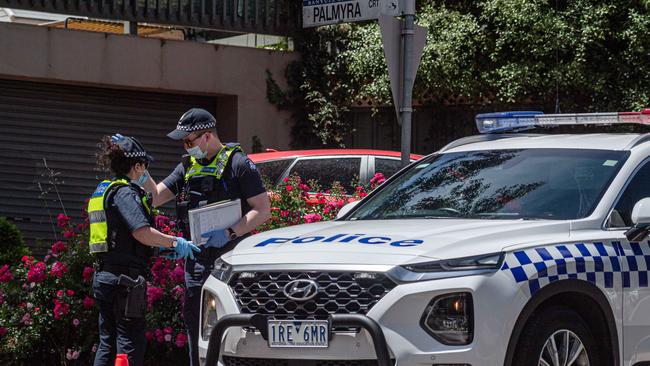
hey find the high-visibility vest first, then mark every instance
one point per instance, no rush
(97, 215)
(215, 168)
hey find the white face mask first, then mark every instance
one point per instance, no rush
(196, 152)
(143, 179)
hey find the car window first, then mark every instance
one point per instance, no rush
(327, 170)
(272, 170)
(638, 189)
(555, 184)
(387, 167)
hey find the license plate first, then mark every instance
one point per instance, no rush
(298, 333)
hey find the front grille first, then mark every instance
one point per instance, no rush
(244, 361)
(338, 293)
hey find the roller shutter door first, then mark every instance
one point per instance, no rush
(48, 138)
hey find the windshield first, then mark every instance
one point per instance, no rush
(497, 184)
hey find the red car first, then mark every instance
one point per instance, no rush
(328, 165)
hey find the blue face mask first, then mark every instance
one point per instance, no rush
(143, 179)
(196, 152)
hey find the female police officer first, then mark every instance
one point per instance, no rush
(120, 223)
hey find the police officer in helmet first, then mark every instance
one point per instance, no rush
(123, 239)
(211, 172)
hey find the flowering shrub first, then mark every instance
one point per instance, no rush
(47, 311)
(295, 203)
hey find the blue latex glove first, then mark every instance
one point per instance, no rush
(117, 138)
(216, 238)
(184, 249)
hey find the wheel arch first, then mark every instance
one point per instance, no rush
(557, 291)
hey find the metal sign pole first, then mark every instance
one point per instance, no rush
(406, 109)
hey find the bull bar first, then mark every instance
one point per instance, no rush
(259, 322)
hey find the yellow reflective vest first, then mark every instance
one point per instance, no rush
(97, 214)
(215, 168)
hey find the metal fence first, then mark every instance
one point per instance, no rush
(276, 17)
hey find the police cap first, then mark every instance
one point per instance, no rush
(196, 119)
(133, 148)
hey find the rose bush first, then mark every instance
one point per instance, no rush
(47, 312)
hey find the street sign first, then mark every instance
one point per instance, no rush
(322, 12)
(391, 29)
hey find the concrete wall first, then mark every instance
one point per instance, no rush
(236, 76)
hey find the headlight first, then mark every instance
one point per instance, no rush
(222, 270)
(208, 314)
(449, 319)
(447, 268)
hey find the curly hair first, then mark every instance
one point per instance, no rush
(110, 157)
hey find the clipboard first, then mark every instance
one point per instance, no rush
(214, 216)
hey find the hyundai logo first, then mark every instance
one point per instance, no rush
(301, 290)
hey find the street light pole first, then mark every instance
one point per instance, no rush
(406, 108)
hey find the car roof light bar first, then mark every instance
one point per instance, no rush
(525, 120)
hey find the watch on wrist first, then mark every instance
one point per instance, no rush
(174, 243)
(232, 235)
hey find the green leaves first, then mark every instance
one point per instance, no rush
(589, 54)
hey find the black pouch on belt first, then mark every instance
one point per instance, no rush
(136, 296)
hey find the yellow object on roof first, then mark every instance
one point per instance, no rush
(103, 26)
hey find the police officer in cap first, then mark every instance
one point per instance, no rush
(211, 172)
(123, 239)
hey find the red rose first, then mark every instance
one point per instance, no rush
(58, 248)
(88, 302)
(37, 273)
(181, 340)
(62, 220)
(88, 274)
(58, 270)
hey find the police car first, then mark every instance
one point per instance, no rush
(499, 249)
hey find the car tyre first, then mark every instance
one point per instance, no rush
(557, 336)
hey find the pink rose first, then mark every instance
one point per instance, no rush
(177, 275)
(27, 319)
(59, 294)
(178, 292)
(72, 354)
(68, 234)
(5, 274)
(181, 340)
(88, 274)
(69, 292)
(168, 330)
(160, 337)
(94, 349)
(313, 217)
(154, 294)
(62, 220)
(88, 302)
(168, 337)
(37, 273)
(75, 322)
(58, 247)
(58, 270)
(60, 309)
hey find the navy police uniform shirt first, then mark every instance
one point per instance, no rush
(128, 203)
(128, 215)
(244, 181)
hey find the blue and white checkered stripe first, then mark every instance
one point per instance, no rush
(602, 264)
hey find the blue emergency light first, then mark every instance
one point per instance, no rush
(525, 120)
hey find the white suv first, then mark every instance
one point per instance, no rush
(500, 249)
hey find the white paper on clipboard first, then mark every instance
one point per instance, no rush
(218, 215)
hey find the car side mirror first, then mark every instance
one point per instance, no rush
(345, 209)
(641, 220)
